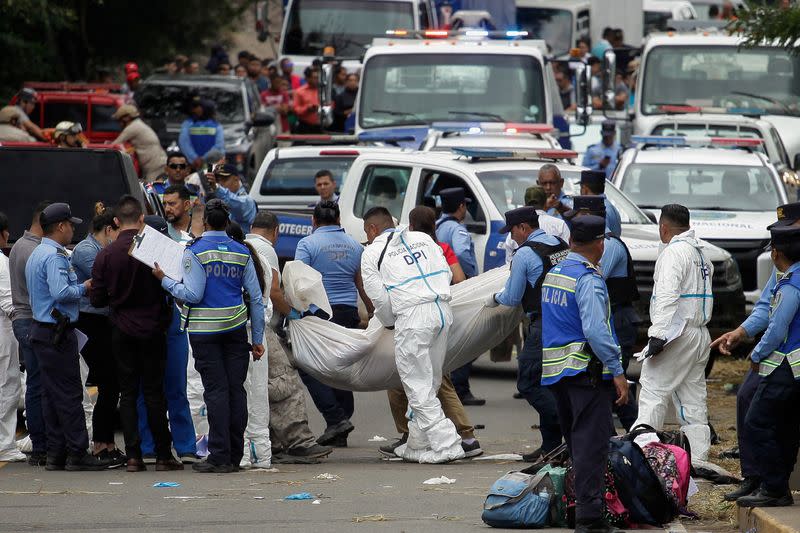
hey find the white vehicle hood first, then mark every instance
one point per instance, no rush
(643, 243)
(731, 225)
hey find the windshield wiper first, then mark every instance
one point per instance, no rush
(396, 113)
(498, 118)
(766, 99)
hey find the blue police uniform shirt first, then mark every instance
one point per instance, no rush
(759, 317)
(337, 256)
(614, 263)
(526, 269)
(783, 312)
(243, 208)
(597, 152)
(457, 236)
(193, 286)
(52, 282)
(613, 220)
(82, 260)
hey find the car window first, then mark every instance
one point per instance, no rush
(55, 112)
(101, 118)
(434, 181)
(382, 186)
(295, 177)
(783, 157)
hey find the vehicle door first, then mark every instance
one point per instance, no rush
(101, 126)
(379, 184)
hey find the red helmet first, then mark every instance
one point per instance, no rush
(131, 67)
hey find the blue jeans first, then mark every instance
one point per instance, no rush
(529, 384)
(33, 381)
(180, 416)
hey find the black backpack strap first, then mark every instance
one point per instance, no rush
(383, 252)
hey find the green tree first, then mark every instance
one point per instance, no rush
(759, 23)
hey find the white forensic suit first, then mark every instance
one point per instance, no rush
(410, 289)
(10, 383)
(680, 308)
(257, 446)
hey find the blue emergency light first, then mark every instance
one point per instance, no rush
(457, 127)
(659, 140)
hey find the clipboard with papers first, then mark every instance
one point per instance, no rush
(150, 246)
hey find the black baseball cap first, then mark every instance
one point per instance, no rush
(518, 216)
(58, 212)
(595, 205)
(588, 228)
(452, 198)
(787, 215)
(157, 223)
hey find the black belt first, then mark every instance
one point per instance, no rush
(49, 325)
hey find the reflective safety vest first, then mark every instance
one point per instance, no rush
(203, 135)
(222, 307)
(565, 349)
(790, 349)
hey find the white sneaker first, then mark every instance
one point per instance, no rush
(13, 456)
(25, 444)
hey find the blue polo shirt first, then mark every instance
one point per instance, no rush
(337, 256)
(52, 282)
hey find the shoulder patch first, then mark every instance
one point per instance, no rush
(187, 265)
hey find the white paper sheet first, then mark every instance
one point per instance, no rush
(151, 247)
(82, 339)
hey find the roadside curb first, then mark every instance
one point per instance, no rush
(769, 520)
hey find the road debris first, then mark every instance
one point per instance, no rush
(300, 496)
(443, 480)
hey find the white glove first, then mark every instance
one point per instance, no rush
(490, 301)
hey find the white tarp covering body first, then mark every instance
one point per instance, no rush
(364, 360)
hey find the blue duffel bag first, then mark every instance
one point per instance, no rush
(519, 500)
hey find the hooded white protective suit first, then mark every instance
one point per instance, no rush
(680, 308)
(410, 289)
(10, 383)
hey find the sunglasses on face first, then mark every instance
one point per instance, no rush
(178, 166)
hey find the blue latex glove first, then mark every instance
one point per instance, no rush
(294, 315)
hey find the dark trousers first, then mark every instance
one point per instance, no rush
(460, 379)
(34, 418)
(335, 405)
(585, 415)
(529, 384)
(626, 322)
(62, 391)
(749, 449)
(773, 422)
(629, 412)
(222, 360)
(103, 373)
(140, 363)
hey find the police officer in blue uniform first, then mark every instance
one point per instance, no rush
(603, 155)
(580, 363)
(228, 187)
(217, 274)
(55, 296)
(773, 419)
(337, 256)
(616, 267)
(757, 322)
(451, 230)
(538, 252)
(593, 183)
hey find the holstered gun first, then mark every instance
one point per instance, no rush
(595, 368)
(62, 321)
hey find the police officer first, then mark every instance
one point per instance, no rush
(593, 183)
(580, 359)
(773, 419)
(602, 156)
(788, 215)
(451, 230)
(217, 270)
(616, 267)
(337, 256)
(538, 252)
(55, 300)
(225, 181)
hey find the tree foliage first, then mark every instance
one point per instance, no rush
(759, 23)
(54, 40)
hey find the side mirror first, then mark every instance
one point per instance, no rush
(262, 119)
(609, 79)
(583, 101)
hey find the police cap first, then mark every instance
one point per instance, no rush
(594, 205)
(226, 170)
(788, 214)
(782, 237)
(157, 223)
(452, 198)
(609, 127)
(518, 216)
(58, 212)
(588, 228)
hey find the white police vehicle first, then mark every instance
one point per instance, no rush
(731, 193)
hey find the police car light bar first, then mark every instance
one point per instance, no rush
(457, 127)
(383, 137)
(316, 137)
(513, 127)
(444, 34)
(489, 153)
(492, 127)
(680, 109)
(664, 140)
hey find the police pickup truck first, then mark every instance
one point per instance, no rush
(731, 193)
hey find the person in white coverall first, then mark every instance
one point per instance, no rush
(407, 278)
(678, 346)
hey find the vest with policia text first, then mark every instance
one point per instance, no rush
(790, 349)
(203, 134)
(623, 291)
(565, 349)
(222, 307)
(551, 255)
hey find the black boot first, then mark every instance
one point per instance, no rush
(598, 526)
(747, 487)
(764, 498)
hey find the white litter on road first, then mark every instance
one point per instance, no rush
(116, 483)
(444, 480)
(500, 457)
(327, 476)
(316, 502)
(377, 438)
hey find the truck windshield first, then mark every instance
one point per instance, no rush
(403, 89)
(346, 25)
(705, 187)
(552, 25)
(169, 102)
(507, 190)
(722, 77)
